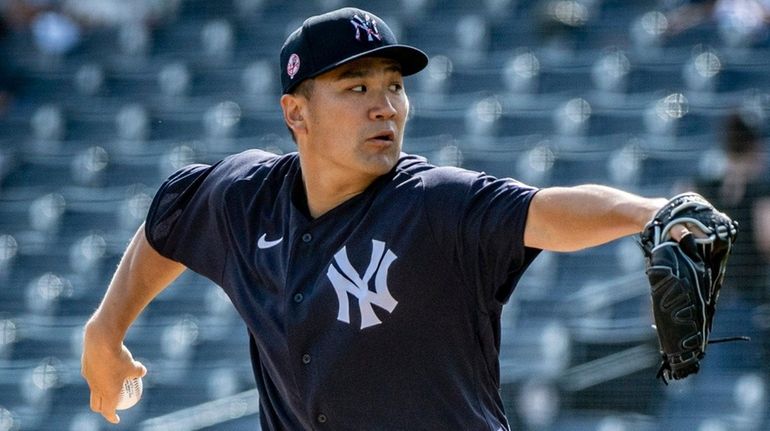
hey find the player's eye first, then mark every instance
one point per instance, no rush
(359, 89)
(396, 88)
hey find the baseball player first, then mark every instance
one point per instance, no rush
(371, 282)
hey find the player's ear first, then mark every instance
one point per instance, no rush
(293, 108)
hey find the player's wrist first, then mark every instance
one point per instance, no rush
(651, 208)
(102, 332)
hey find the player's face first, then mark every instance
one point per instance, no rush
(355, 117)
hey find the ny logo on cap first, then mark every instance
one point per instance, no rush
(366, 24)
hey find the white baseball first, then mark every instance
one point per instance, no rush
(130, 393)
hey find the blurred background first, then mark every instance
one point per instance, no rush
(101, 99)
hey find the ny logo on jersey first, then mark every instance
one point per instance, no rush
(349, 281)
(368, 25)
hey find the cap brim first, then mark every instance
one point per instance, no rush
(412, 60)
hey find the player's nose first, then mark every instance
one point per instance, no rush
(384, 107)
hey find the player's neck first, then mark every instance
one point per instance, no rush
(320, 201)
(325, 191)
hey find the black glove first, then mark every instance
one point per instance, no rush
(685, 278)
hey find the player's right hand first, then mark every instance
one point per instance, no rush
(105, 363)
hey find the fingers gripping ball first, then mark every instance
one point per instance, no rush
(685, 278)
(130, 393)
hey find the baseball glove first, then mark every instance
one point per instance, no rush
(685, 278)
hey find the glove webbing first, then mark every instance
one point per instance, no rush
(664, 366)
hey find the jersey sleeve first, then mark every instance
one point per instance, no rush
(185, 222)
(482, 220)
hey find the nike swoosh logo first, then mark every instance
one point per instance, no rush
(263, 243)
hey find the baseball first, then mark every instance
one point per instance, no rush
(130, 393)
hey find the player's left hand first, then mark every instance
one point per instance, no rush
(686, 245)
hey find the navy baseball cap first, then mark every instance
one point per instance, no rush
(335, 38)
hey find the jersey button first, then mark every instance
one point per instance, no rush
(306, 359)
(298, 297)
(307, 237)
(321, 418)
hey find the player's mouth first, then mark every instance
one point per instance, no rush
(384, 138)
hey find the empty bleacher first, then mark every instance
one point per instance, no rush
(600, 92)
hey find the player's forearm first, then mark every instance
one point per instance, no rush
(141, 275)
(573, 218)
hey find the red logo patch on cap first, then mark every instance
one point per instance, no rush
(368, 25)
(292, 67)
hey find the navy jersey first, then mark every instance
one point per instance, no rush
(381, 314)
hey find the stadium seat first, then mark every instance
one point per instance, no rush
(174, 80)
(574, 167)
(258, 81)
(521, 72)
(11, 398)
(217, 41)
(431, 123)
(502, 157)
(475, 80)
(48, 123)
(618, 121)
(572, 80)
(610, 71)
(9, 248)
(132, 84)
(526, 121)
(86, 137)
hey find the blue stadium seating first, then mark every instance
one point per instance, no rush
(87, 137)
